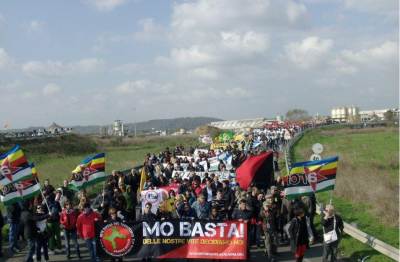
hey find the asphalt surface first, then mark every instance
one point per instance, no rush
(256, 254)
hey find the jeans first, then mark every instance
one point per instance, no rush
(41, 242)
(330, 250)
(31, 250)
(91, 245)
(55, 235)
(70, 234)
(13, 236)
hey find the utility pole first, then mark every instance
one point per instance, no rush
(134, 123)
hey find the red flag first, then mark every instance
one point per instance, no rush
(255, 168)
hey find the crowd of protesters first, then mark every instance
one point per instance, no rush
(272, 219)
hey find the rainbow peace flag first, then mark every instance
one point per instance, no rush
(306, 178)
(19, 191)
(89, 172)
(14, 167)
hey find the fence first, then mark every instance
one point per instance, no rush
(369, 240)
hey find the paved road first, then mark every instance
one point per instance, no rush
(314, 254)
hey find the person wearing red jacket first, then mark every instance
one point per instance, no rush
(68, 219)
(86, 226)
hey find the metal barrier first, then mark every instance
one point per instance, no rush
(369, 240)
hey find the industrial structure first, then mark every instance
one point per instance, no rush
(118, 128)
(351, 114)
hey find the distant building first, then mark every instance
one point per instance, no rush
(378, 114)
(345, 114)
(103, 131)
(118, 128)
(55, 129)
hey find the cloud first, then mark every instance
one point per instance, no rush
(205, 73)
(35, 26)
(150, 31)
(132, 87)
(191, 57)
(309, 52)
(373, 6)
(381, 56)
(247, 43)
(204, 15)
(105, 5)
(5, 59)
(57, 68)
(51, 89)
(296, 11)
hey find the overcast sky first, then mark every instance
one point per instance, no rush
(93, 61)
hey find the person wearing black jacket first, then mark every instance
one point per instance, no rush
(208, 191)
(113, 217)
(13, 217)
(28, 220)
(54, 225)
(147, 214)
(300, 233)
(331, 221)
(229, 197)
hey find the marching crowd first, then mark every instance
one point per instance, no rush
(272, 219)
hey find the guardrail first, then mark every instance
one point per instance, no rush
(363, 237)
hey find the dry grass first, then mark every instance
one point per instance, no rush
(368, 170)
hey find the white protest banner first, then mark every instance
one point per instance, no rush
(222, 175)
(153, 196)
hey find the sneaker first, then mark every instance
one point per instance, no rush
(34, 257)
(51, 252)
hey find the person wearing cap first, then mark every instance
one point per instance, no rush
(331, 221)
(86, 228)
(268, 219)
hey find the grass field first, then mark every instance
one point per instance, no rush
(367, 189)
(57, 157)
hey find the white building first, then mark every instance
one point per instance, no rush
(378, 114)
(118, 128)
(345, 113)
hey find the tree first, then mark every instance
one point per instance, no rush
(297, 114)
(389, 115)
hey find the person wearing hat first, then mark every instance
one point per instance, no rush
(269, 226)
(332, 225)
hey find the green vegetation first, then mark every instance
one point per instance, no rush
(367, 189)
(55, 158)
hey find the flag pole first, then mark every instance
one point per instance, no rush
(45, 200)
